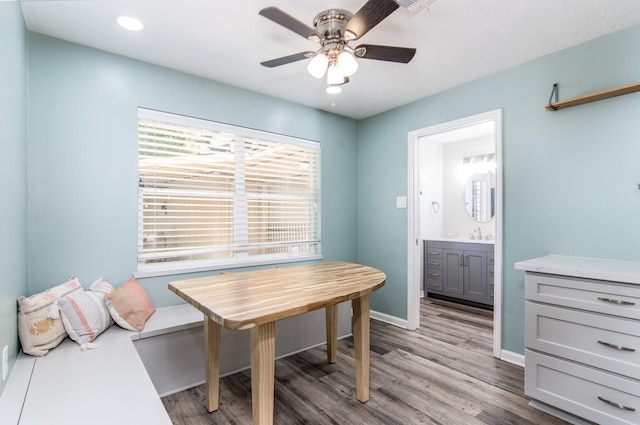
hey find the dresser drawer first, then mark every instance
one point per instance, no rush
(432, 253)
(593, 295)
(606, 342)
(434, 263)
(586, 392)
(434, 285)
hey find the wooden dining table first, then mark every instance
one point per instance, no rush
(255, 300)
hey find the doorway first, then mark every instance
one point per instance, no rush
(451, 130)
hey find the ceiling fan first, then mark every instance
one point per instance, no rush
(334, 29)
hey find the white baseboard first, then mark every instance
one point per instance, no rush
(386, 318)
(511, 357)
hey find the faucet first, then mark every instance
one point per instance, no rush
(479, 232)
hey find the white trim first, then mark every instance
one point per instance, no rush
(513, 358)
(414, 248)
(386, 318)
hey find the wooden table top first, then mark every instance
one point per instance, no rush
(246, 299)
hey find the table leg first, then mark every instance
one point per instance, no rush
(361, 345)
(212, 362)
(262, 372)
(332, 332)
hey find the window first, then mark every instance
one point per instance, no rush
(212, 196)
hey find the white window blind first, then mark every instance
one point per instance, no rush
(212, 195)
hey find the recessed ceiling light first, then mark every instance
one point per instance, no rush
(130, 23)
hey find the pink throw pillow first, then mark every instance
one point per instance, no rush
(130, 306)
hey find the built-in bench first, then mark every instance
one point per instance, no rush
(121, 382)
(106, 385)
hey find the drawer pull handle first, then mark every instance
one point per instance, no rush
(434, 274)
(434, 253)
(618, 405)
(431, 263)
(614, 301)
(616, 347)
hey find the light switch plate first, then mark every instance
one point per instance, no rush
(401, 202)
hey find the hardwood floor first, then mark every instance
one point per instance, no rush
(444, 373)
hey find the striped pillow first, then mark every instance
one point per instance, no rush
(39, 325)
(84, 314)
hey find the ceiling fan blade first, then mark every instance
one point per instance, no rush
(370, 15)
(385, 53)
(290, 23)
(287, 59)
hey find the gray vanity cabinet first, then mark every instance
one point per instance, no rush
(459, 269)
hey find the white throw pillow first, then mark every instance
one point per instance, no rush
(39, 326)
(84, 314)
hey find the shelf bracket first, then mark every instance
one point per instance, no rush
(555, 91)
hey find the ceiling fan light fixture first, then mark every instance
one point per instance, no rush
(332, 89)
(318, 65)
(347, 63)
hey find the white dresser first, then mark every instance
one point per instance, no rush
(582, 337)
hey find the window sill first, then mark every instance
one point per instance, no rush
(157, 270)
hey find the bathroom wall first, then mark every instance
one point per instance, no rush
(442, 179)
(432, 205)
(456, 219)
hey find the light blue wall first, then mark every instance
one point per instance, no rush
(569, 176)
(83, 158)
(13, 172)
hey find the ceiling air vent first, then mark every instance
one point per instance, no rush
(411, 7)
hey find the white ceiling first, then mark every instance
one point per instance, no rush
(225, 40)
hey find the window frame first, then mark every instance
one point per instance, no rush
(146, 269)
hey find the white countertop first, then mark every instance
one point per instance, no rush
(591, 268)
(463, 240)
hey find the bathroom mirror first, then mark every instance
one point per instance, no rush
(479, 196)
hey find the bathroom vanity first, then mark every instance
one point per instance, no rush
(459, 269)
(582, 337)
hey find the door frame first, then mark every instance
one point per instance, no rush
(414, 248)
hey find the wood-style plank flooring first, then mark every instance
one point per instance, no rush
(444, 373)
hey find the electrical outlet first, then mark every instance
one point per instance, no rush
(5, 362)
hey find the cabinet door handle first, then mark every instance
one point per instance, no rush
(460, 259)
(466, 260)
(614, 301)
(616, 347)
(618, 405)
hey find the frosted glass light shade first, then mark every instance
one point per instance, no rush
(347, 64)
(318, 65)
(333, 89)
(334, 76)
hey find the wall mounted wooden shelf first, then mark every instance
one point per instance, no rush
(593, 97)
